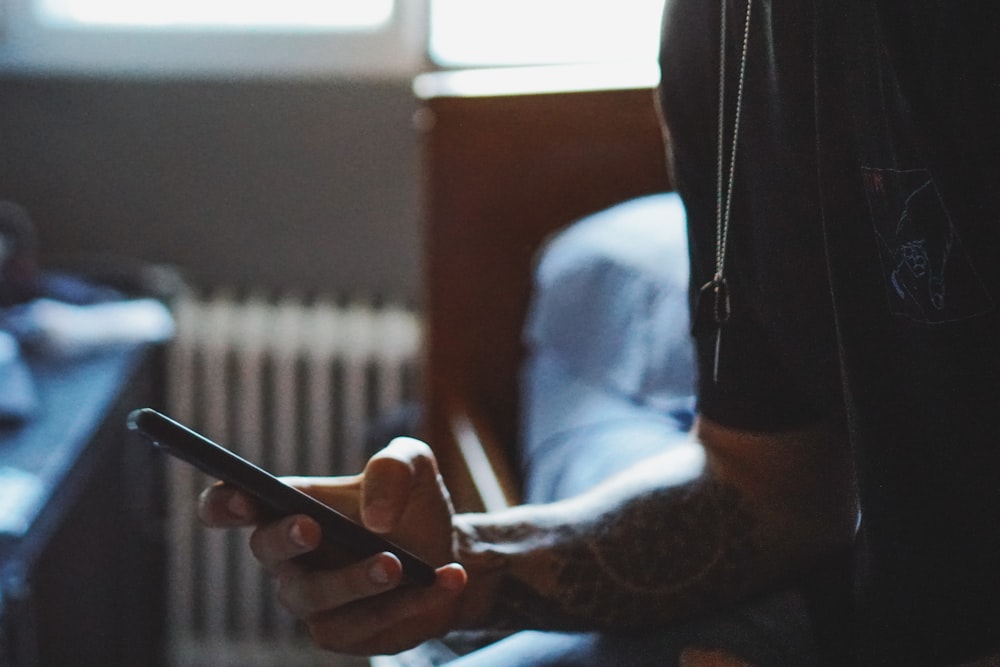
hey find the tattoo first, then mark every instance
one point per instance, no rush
(668, 553)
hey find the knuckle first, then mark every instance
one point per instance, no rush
(326, 633)
(289, 587)
(286, 600)
(258, 543)
(310, 593)
(270, 543)
(301, 596)
(298, 593)
(321, 636)
(289, 592)
(357, 585)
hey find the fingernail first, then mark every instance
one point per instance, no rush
(296, 536)
(378, 574)
(453, 578)
(238, 506)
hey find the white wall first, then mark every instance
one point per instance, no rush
(307, 184)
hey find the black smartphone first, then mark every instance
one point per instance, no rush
(275, 497)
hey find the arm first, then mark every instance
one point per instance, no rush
(695, 530)
(681, 534)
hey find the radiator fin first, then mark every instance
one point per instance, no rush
(293, 384)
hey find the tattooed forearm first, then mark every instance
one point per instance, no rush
(645, 559)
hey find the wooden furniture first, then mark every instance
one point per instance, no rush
(509, 157)
(81, 546)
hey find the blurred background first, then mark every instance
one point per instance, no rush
(256, 143)
(270, 154)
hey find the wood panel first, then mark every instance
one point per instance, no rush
(501, 174)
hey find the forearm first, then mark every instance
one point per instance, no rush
(650, 548)
(648, 560)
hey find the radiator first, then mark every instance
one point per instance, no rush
(293, 384)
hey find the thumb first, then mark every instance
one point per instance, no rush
(390, 479)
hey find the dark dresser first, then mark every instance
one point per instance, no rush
(81, 518)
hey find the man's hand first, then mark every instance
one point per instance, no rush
(359, 607)
(695, 529)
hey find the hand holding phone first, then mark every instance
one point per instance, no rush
(275, 497)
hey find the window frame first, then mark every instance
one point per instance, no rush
(598, 36)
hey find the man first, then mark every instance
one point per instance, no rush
(844, 298)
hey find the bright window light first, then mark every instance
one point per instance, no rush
(525, 32)
(186, 38)
(218, 14)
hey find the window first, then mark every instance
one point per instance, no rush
(534, 32)
(320, 37)
(218, 14)
(215, 37)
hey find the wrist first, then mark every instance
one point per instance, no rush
(484, 565)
